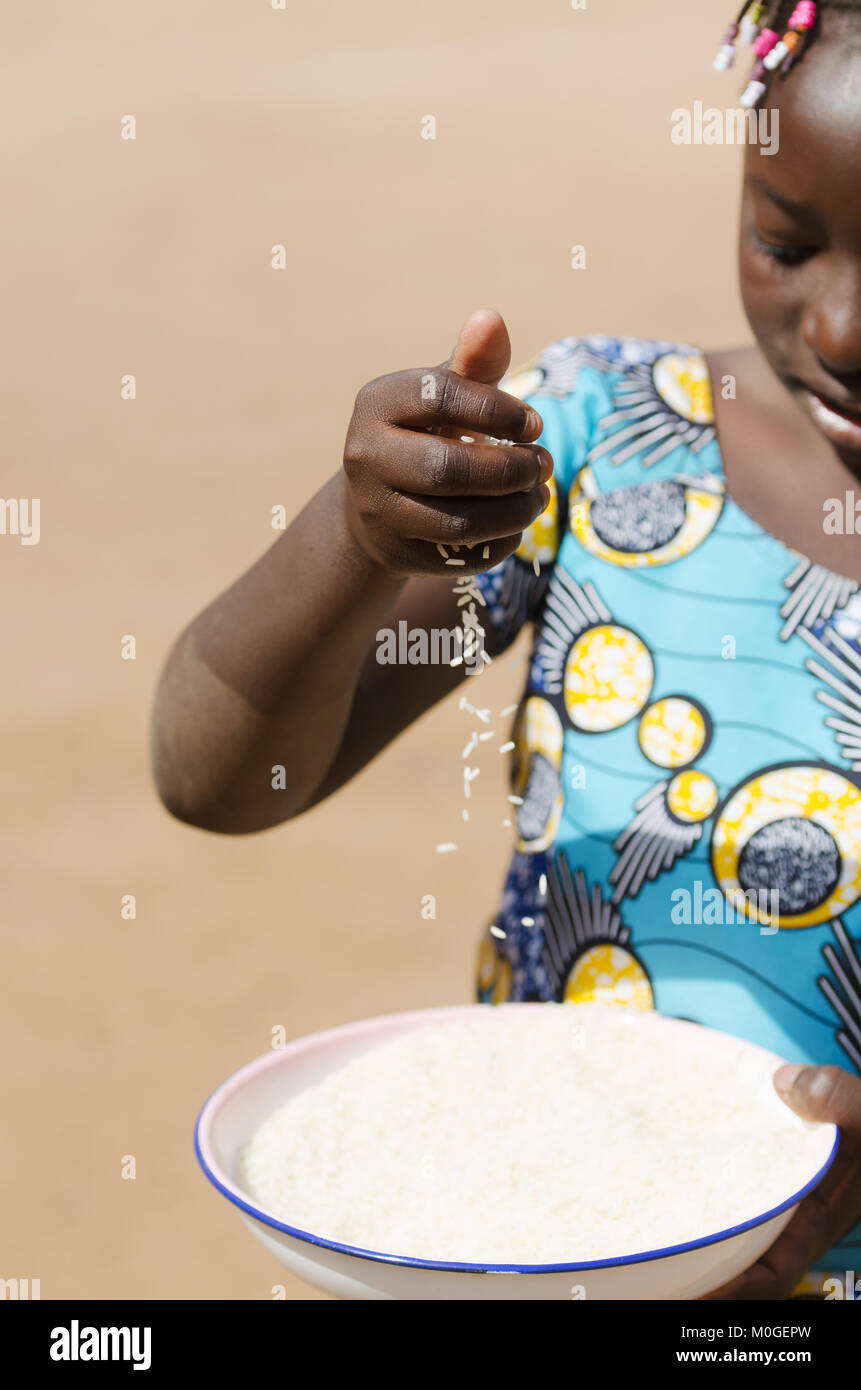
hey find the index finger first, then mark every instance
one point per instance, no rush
(438, 397)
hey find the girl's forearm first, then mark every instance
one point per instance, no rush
(265, 677)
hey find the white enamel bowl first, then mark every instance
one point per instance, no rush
(687, 1271)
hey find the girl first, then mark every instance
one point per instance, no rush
(678, 528)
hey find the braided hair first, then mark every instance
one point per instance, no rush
(778, 32)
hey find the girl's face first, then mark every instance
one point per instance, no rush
(800, 242)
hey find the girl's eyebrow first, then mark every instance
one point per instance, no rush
(790, 205)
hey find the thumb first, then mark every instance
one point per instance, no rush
(822, 1093)
(483, 349)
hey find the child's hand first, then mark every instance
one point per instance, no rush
(414, 485)
(815, 1093)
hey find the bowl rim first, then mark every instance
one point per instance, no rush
(267, 1060)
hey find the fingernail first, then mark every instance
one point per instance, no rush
(786, 1076)
(545, 471)
(545, 494)
(534, 423)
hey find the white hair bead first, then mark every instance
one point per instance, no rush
(774, 59)
(749, 31)
(752, 93)
(724, 58)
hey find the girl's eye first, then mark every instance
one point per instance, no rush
(785, 255)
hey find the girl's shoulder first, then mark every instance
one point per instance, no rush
(631, 408)
(555, 370)
(623, 415)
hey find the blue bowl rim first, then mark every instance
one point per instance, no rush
(459, 1267)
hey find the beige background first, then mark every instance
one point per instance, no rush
(255, 127)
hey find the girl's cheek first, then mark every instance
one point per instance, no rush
(772, 302)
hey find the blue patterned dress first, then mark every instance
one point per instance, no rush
(688, 746)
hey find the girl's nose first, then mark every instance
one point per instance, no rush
(831, 326)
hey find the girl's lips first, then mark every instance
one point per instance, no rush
(842, 427)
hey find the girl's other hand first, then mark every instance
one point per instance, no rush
(833, 1208)
(414, 484)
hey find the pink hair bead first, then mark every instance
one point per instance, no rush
(765, 42)
(804, 15)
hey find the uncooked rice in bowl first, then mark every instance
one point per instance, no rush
(537, 1135)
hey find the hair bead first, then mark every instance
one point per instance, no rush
(772, 52)
(750, 22)
(765, 42)
(776, 56)
(801, 22)
(752, 93)
(725, 56)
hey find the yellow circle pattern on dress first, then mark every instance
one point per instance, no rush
(692, 796)
(683, 382)
(538, 729)
(821, 795)
(540, 541)
(608, 974)
(608, 678)
(702, 509)
(672, 732)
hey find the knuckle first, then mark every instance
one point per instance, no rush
(443, 465)
(432, 384)
(375, 400)
(514, 468)
(448, 394)
(490, 416)
(504, 417)
(357, 453)
(457, 527)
